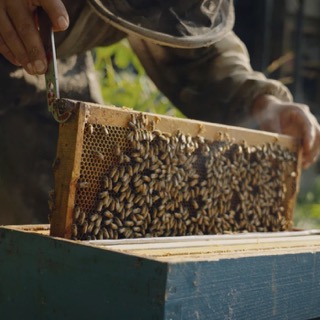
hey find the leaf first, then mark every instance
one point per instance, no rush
(124, 81)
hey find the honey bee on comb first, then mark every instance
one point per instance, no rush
(175, 184)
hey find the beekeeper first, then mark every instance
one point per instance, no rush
(187, 47)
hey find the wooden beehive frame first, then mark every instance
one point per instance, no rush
(67, 166)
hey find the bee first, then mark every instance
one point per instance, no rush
(130, 136)
(96, 231)
(122, 197)
(105, 130)
(84, 185)
(117, 151)
(76, 212)
(129, 223)
(118, 222)
(114, 226)
(118, 206)
(193, 182)
(98, 222)
(195, 204)
(146, 178)
(177, 215)
(100, 235)
(98, 155)
(105, 233)
(90, 227)
(125, 158)
(107, 201)
(116, 177)
(100, 206)
(82, 218)
(128, 233)
(90, 127)
(112, 234)
(113, 172)
(94, 217)
(108, 222)
(84, 227)
(74, 230)
(103, 194)
(152, 125)
(117, 187)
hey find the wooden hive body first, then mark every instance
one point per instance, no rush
(95, 142)
(252, 276)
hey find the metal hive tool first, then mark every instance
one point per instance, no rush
(123, 174)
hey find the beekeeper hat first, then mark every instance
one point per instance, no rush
(176, 23)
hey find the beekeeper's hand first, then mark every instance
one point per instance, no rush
(20, 41)
(290, 118)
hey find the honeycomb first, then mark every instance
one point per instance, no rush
(136, 181)
(98, 141)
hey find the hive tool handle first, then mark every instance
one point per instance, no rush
(58, 108)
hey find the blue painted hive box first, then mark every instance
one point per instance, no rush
(248, 276)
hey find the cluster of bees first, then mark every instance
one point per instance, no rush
(167, 184)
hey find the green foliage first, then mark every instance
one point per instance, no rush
(307, 213)
(125, 83)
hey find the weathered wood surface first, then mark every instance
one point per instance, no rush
(48, 278)
(218, 247)
(45, 278)
(273, 287)
(66, 171)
